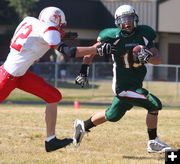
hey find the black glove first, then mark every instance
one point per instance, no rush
(82, 78)
(104, 49)
(144, 55)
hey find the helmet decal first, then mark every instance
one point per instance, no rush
(53, 15)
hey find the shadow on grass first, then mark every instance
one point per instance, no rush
(143, 157)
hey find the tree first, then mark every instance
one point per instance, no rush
(23, 7)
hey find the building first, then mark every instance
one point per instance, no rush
(88, 17)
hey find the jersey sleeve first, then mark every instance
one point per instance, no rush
(149, 34)
(107, 35)
(52, 36)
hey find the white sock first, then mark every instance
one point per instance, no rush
(50, 138)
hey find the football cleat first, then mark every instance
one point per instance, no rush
(55, 144)
(79, 132)
(157, 146)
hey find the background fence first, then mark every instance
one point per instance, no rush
(57, 73)
(160, 80)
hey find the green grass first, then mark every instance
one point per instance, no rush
(23, 132)
(23, 128)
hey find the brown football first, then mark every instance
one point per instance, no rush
(137, 49)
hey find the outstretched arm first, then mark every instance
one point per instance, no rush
(98, 48)
(75, 51)
(88, 53)
(101, 49)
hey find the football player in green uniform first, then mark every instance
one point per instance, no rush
(132, 47)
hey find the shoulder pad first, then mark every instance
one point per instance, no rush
(108, 34)
(146, 31)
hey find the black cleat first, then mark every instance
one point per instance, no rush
(55, 144)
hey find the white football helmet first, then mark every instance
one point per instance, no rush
(53, 15)
(125, 13)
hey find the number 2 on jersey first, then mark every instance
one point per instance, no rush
(20, 36)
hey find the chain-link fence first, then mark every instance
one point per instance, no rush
(161, 80)
(57, 73)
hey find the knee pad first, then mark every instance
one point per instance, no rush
(156, 103)
(117, 110)
(153, 103)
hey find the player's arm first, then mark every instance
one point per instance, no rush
(155, 59)
(99, 48)
(82, 78)
(143, 54)
(74, 52)
(54, 40)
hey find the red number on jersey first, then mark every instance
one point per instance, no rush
(22, 33)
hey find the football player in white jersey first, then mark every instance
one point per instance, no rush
(32, 39)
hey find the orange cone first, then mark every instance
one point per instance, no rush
(76, 104)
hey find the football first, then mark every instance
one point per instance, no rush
(135, 52)
(137, 49)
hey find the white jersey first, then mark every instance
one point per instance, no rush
(31, 40)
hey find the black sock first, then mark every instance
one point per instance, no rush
(88, 124)
(152, 133)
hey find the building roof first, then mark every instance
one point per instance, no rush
(88, 14)
(99, 14)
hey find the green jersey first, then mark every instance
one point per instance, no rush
(127, 75)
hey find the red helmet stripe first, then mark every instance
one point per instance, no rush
(51, 28)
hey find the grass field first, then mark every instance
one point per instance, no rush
(22, 133)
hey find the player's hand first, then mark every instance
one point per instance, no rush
(142, 54)
(104, 49)
(82, 80)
